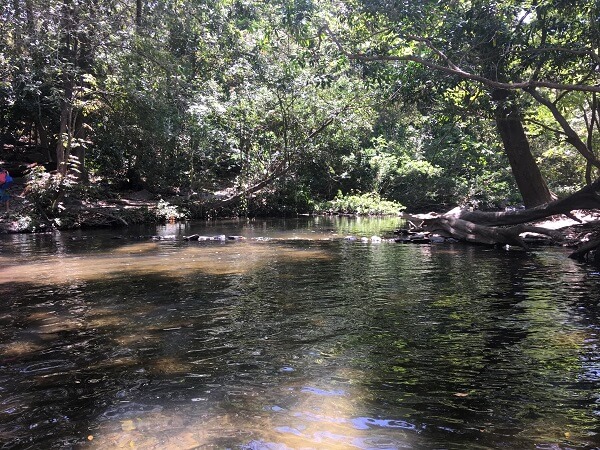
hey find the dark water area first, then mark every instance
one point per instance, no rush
(299, 339)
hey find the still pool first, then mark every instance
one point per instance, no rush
(294, 338)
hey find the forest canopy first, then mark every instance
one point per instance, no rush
(277, 107)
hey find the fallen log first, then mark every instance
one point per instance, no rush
(584, 249)
(586, 198)
(449, 226)
(506, 227)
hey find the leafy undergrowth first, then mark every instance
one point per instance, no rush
(370, 204)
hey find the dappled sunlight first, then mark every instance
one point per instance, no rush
(548, 431)
(329, 416)
(122, 325)
(6, 260)
(52, 322)
(141, 259)
(312, 413)
(285, 344)
(153, 432)
(168, 365)
(136, 338)
(115, 362)
(144, 247)
(569, 339)
(19, 348)
(108, 320)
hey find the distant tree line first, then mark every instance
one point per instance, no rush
(273, 107)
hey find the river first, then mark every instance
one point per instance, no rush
(294, 338)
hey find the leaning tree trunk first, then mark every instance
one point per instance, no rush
(587, 198)
(138, 14)
(507, 227)
(530, 181)
(63, 146)
(464, 230)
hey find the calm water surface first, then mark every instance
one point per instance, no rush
(304, 340)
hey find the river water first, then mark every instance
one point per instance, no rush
(294, 338)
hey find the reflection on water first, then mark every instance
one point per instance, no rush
(299, 340)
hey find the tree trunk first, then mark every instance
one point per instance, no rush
(76, 52)
(30, 17)
(66, 102)
(530, 182)
(584, 249)
(44, 140)
(138, 14)
(63, 146)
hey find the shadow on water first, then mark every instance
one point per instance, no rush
(303, 342)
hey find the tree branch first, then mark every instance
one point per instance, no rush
(452, 69)
(545, 127)
(585, 248)
(577, 52)
(572, 136)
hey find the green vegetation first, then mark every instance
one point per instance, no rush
(363, 205)
(223, 107)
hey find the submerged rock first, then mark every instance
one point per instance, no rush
(197, 237)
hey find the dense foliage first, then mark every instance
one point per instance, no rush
(276, 107)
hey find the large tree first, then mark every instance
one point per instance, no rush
(519, 51)
(53, 50)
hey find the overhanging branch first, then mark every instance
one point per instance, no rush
(453, 69)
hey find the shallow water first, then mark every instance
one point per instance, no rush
(299, 339)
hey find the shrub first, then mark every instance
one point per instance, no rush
(166, 212)
(361, 204)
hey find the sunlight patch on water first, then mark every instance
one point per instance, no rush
(116, 362)
(319, 414)
(107, 321)
(168, 365)
(52, 322)
(140, 259)
(19, 348)
(144, 247)
(136, 338)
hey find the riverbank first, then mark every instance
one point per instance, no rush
(115, 210)
(124, 208)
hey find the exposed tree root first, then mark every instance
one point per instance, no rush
(586, 198)
(482, 234)
(507, 227)
(584, 249)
